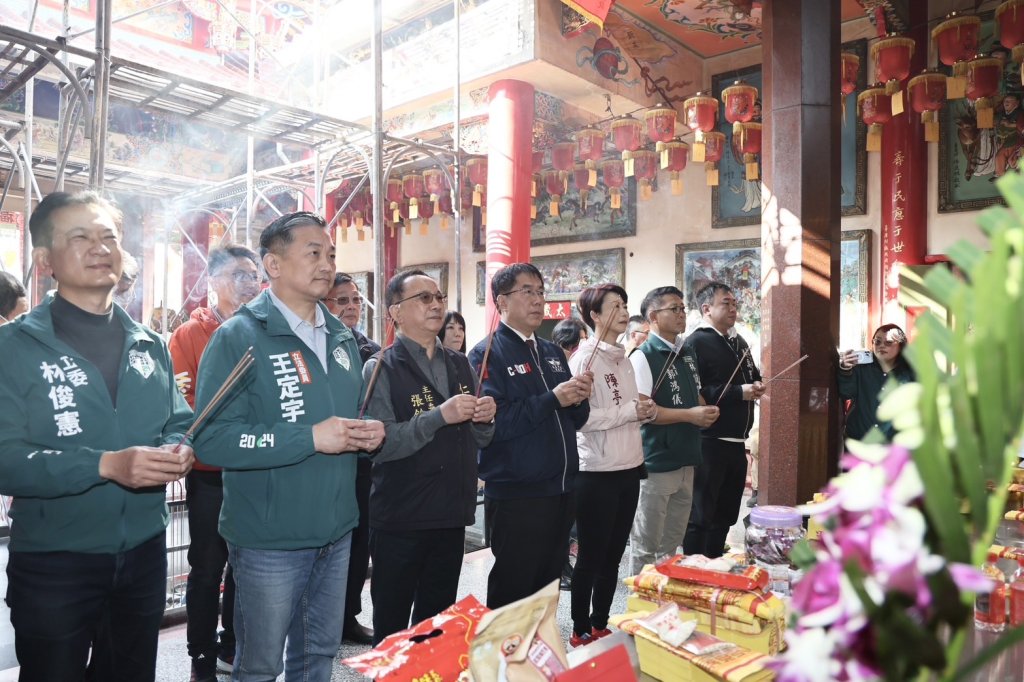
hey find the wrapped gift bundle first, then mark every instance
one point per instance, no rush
(703, 658)
(754, 619)
(436, 649)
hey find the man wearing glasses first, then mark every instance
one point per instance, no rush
(286, 436)
(672, 439)
(424, 477)
(531, 464)
(346, 303)
(718, 484)
(234, 280)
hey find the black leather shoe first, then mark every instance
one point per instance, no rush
(357, 633)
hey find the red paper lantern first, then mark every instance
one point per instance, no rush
(646, 170)
(626, 138)
(892, 61)
(585, 180)
(614, 175)
(739, 99)
(714, 149)
(661, 124)
(749, 140)
(590, 145)
(849, 72)
(673, 159)
(555, 184)
(358, 207)
(395, 196)
(983, 76)
(1010, 17)
(875, 110)
(927, 95)
(563, 156)
(426, 210)
(537, 167)
(436, 183)
(956, 40)
(476, 169)
(700, 113)
(445, 208)
(413, 187)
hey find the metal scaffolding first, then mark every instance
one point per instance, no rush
(89, 80)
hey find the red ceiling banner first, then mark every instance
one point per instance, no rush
(595, 11)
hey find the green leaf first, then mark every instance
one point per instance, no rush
(966, 255)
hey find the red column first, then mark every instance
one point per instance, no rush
(509, 160)
(904, 182)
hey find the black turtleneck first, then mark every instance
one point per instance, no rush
(97, 338)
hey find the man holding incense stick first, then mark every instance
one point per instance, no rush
(286, 436)
(234, 280)
(672, 446)
(424, 477)
(531, 464)
(730, 380)
(89, 438)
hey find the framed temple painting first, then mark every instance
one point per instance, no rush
(567, 274)
(436, 271)
(972, 158)
(736, 201)
(577, 221)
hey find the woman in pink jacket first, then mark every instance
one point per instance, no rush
(611, 460)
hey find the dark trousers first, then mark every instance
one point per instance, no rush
(63, 603)
(359, 561)
(605, 507)
(207, 557)
(528, 539)
(717, 493)
(414, 572)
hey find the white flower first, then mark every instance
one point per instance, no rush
(809, 657)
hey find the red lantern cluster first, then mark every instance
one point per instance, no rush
(1010, 17)
(927, 95)
(983, 76)
(875, 110)
(892, 61)
(700, 113)
(739, 99)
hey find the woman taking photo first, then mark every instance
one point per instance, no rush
(862, 383)
(611, 460)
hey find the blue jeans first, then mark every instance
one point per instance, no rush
(293, 595)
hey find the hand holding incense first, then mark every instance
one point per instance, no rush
(746, 351)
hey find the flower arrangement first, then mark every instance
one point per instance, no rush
(889, 584)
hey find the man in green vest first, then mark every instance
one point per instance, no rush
(672, 445)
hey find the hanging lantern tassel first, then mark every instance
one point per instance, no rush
(645, 189)
(444, 221)
(931, 125)
(711, 173)
(896, 102)
(677, 182)
(627, 163)
(533, 186)
(591, 173)
(424, 227)
(478, 195)
(553, 206)
(874, 143)
(663, 159)
(435, 199)
(583, 199)
(414, 209)
(752, 166)
(697, 150)
(343, 231)
(616, 195)
(361, 235)
(394, 213)
(956, 85)
(391, 230)
(359, 220)
(408, 228)
(483, 216)
(983, 107)
(892, 87)
(533, 210)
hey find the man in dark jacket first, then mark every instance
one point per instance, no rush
(531, 463)
(424, 477)
(718, 483)
(89, 436)
(345, 302)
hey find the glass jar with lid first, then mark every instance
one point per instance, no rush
(771, 536)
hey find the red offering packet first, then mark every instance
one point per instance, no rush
(436, 649)
(613, 664)
(749, 578)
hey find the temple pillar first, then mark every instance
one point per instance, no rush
(509, 165)
(800, 247)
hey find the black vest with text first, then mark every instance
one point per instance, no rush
(435, 487)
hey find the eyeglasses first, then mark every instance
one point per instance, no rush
(529, 292)
(426, 298)
(244, 277)
(675, 309)
(343, 300)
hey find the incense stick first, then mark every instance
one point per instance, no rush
(376, 368)
(243, 364)
(487, 354)
(743, 357)
(597, 346)
(677, 348)
(786, 370)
